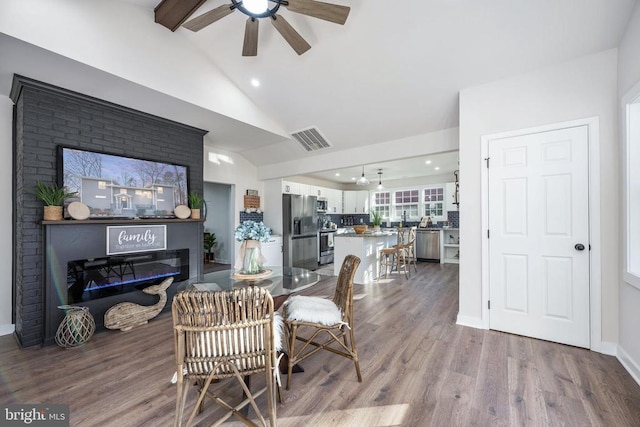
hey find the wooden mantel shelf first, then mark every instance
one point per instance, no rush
(121, 221)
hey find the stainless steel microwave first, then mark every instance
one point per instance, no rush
(322, 205)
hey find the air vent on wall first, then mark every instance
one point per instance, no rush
(311, 139)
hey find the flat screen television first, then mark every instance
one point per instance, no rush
(122, 187)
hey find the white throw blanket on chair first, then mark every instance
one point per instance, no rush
(314, 310)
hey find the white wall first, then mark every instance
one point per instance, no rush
(629, 316)
(585, 87)
(429, 143)
(6, 194)
(233, 169)
(127, 43)
(219, 219)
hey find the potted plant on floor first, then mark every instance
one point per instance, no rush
(209, 243)
(53, 198)
(376, 220)
(195, 203)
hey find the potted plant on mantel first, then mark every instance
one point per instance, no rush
(195, 203)
(53, 198)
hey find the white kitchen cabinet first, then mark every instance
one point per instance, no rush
(290, 187)
(349, 202)
(356, 202)
(362, 202)
(334, 199)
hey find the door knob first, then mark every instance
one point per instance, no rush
(579, 247)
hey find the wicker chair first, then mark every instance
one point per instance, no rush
(318, 315)
(225, 334)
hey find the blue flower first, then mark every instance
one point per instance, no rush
(251, 230)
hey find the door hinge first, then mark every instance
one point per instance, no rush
(487, 160)
(489, 304)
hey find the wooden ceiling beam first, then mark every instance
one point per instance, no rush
(172, 13)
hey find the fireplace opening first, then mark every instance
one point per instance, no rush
(95, 278)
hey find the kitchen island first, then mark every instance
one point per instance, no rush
(366, 247)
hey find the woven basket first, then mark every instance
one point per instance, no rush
(53, 213)
(76, 328)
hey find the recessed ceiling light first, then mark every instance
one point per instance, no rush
(428, 162)
(437, 168)
(353, 178)
(337, 173)
(255, 82)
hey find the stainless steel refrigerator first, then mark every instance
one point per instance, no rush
(300, 231)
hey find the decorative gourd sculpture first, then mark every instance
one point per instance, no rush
(127, 315)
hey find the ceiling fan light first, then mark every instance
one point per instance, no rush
(256, 6)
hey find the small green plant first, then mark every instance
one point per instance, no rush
(51, 194)
(376, 218)
(209, 241)
(195, 201)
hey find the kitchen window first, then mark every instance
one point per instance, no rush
(406, 201)
(382, 203)
(434, 202)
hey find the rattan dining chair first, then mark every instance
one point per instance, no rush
(321, 317)
(225, 334)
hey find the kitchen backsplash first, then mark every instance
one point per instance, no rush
(252, 216)
(346, 220)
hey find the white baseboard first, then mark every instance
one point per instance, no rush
(608, 348)
(629, 364)
(472, 322)
(7, 329)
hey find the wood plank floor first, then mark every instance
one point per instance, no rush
(419, 369)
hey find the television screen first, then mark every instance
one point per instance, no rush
(122, 187)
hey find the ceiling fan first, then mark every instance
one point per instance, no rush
(257, 9)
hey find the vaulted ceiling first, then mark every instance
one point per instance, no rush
(393, 70)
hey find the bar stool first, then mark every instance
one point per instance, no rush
(395, 256)
(409, 241)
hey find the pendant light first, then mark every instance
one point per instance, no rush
(362, 180)
(380, 187)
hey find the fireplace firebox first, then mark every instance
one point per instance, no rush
(96, 278)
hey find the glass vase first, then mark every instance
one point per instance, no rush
(251, 261)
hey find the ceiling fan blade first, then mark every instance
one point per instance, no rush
(250, 46)
(292, 37)
(328, 12)
(199, 22)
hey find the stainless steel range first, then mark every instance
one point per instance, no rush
(325, 243)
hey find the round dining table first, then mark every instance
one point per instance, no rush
(279, 281)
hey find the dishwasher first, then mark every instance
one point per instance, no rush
(428, 245)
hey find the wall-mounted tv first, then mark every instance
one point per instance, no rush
(122, 187)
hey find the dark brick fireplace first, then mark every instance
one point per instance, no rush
(45, 117)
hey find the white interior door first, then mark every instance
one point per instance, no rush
(538, 218)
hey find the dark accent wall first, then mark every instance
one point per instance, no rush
(46, 116)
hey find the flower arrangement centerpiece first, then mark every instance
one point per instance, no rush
(251, 234)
